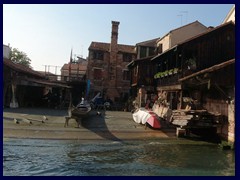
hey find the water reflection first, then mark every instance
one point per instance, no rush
(138, 158)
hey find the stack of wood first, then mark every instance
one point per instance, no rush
(184, 117)
(180, 118)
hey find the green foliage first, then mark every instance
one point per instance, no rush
(20, 57)
(165, 73)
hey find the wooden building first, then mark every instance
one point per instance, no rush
(203, 68)
(142, 69)
(24, 87)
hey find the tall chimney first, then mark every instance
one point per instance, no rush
(114, 37)
(112, 91)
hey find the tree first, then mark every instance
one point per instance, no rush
(20, 57)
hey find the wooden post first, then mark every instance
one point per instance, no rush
(140, 96)
(16, 121)
(13, 103)
(180, 132)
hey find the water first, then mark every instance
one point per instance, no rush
(29, 157)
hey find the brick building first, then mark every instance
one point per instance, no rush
(107, 67)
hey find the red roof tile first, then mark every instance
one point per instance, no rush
(74, 67)
(106, 47)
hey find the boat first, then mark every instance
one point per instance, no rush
(82, 109)
(143, 116)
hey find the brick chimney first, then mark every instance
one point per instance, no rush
(114, 37)
(112, 72)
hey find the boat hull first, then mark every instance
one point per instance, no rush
(81, 111)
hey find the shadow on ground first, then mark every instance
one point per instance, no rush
(97, 124)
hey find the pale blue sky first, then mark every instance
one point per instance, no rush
(46, 33)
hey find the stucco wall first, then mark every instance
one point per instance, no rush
(165, 43)
(186, 32)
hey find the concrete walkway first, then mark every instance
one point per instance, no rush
(110, 125)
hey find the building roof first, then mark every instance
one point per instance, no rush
(106, 47)
(149, 43)
(74, 66)
(21, 68)
(195, 22)
(47, 82)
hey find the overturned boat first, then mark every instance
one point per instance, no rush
(82, 109)
(143, 116)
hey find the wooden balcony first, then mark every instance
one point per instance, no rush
(168, 80)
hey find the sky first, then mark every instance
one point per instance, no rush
(48, 32)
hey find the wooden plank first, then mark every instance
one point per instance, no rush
(26, 121)
(180, 132)
(188, 117)
(37, 120)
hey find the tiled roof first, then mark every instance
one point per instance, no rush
(99, 46)
(149, 43)
(74, 67)
(21, 68)
(106, 47)
(126, 48)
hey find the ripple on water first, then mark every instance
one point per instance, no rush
(74, 158)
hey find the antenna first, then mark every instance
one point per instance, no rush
(186, 13)
(181, 18)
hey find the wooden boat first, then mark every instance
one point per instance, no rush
(143, 116)
(82, 109)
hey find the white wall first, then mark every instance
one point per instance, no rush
(230, 16)
(6, 51)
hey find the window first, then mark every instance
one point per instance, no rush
(97, 74)
(159, 48)
(98, 55)
(151, 51)
(127, 57)
(126, 75)
(143, 52)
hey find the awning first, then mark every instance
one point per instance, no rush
(46, 82)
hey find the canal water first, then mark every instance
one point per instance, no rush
(164, 157)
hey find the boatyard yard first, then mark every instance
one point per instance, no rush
(110, 144)
(110, 125)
